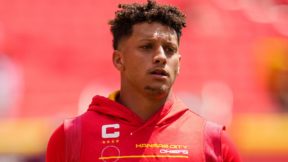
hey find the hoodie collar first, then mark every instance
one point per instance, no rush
(112, 96)
(170, 111)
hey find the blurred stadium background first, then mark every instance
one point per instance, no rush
(56, 54)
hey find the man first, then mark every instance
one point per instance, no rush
(143, 121)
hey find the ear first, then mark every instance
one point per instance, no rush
(118, 60)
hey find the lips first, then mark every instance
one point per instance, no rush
(159, 72)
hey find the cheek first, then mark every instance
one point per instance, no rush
(177, 70)
(136, 62)
(176, 66)
(174, 70)
(134, 67)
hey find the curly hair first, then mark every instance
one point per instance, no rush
(131, 14)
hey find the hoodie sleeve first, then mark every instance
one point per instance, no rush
(229, 152)
(56, 146)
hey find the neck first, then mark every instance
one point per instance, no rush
(141, 105)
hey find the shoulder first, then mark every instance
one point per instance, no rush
(64, 139)
(228, 149)
(56, 146)
(212, 137)
(218, 146)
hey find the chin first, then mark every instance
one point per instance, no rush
(158, 90)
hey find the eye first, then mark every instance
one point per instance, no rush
(170, 49)
(146, 47)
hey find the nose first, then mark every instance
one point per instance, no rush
(160, 56)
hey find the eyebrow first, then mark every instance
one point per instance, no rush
(153, 40)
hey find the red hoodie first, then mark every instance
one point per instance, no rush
(111, 132)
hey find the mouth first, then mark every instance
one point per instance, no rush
(159, 73)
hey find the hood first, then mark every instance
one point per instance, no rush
(169, 112)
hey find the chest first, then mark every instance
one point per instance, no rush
(116, 142)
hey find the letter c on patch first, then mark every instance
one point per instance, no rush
(111, 134)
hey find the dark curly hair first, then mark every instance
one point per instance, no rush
(131, 14)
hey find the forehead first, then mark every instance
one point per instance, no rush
(154, 31)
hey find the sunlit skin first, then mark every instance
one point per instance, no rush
(148, 62)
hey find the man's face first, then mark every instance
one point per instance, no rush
(148, 59)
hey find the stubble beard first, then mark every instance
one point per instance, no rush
(157, 91)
